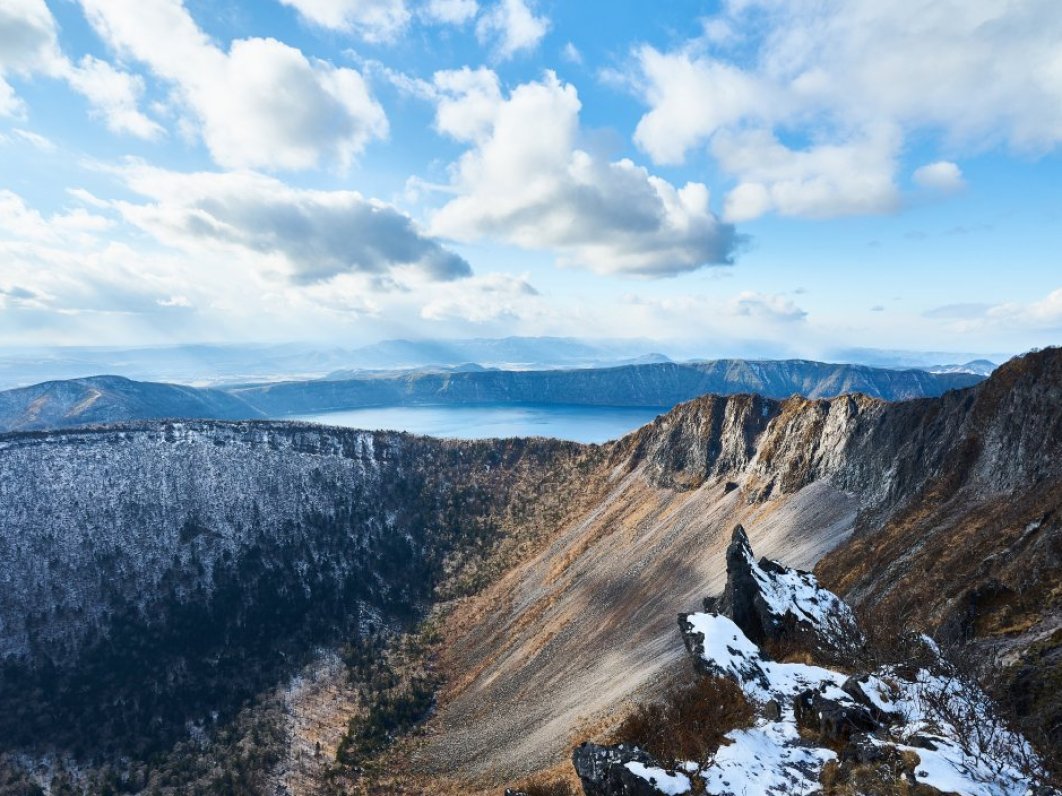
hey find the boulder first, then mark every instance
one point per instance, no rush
(603, 770)
(834, 721)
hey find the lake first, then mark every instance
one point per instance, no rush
(578, 423)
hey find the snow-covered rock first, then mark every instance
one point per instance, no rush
(770, 602)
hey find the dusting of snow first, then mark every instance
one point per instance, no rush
(730, 652)
(671, 784)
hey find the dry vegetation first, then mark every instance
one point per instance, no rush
(688, 722)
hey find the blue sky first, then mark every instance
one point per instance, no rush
(754, 175)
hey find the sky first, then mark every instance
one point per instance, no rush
(787, 177)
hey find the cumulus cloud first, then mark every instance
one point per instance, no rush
(372, 20)
(816, 182)
(451, 12)
(512, 26)
(115, 97)
(524, 181)
(262, 103)
(29, 45)
(314, 235)
(845, 76)
(942, 176)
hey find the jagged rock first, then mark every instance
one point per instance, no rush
(603, 770)
(834, 721)
(853, 686)
(772, 602)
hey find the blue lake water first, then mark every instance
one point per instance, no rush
(578, 423)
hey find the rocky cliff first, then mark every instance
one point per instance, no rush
(822, 709)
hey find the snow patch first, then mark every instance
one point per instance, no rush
(671, 784)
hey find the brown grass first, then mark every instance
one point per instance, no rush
(688, 722)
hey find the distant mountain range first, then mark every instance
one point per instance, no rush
(228, 364)
(109, 399)
(231, 363)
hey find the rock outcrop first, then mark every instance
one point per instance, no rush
(773, 603)
(925, 725)
(623, 770)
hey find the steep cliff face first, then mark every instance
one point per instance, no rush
(1000, 436)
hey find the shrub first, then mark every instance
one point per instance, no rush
(688, 722)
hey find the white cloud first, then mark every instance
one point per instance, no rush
(29, 45)
(1045, 313)
(722, 319)
(690, 99)
(491, 297)
(19, 221)
(451, 12)
(942, 176)
(307, 235)
(231, 266)
(512, 26)
(838, 74)
(571, 54)
(855, 176)
(115, 96)
(372, 20)
(36, 140)
(766, 306)
(262, 103)
(524, 181)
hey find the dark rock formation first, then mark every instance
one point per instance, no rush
(816, 621)
(833, 721)
(603, 770)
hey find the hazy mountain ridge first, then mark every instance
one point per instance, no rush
(654, 384)
(108, 399)
(111, 399)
